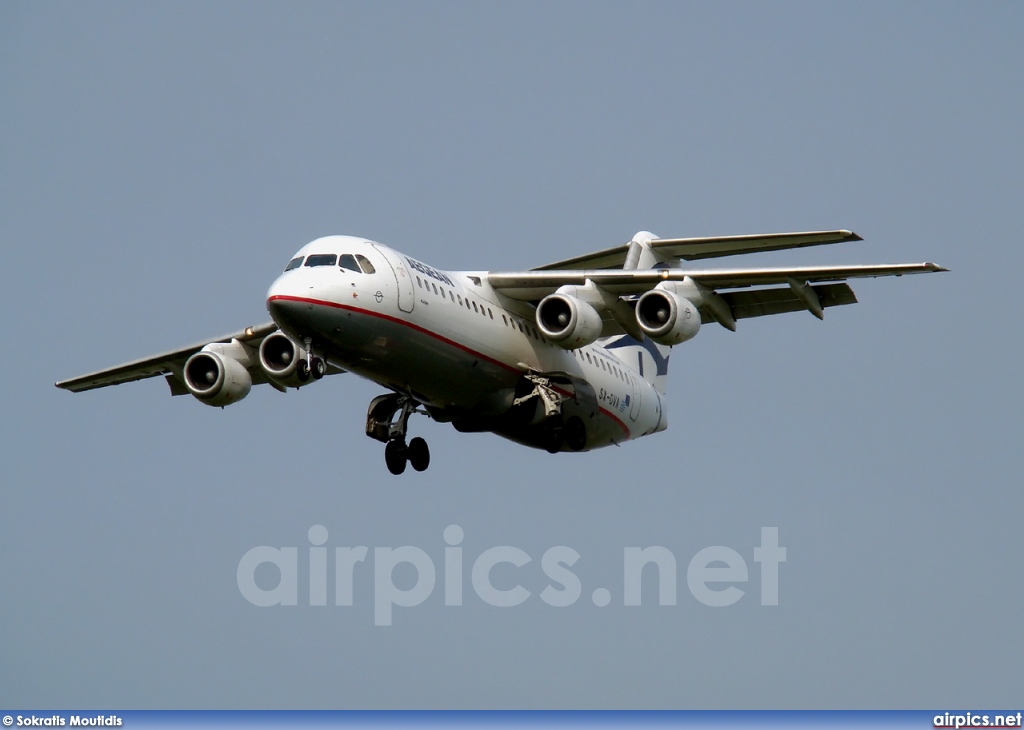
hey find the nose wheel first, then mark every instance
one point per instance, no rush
(387, 420)
(310, 366)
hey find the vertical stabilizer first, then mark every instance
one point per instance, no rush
(647, 357)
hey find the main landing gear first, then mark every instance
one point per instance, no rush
(555, 430)
(383, 425)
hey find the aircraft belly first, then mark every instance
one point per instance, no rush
(422, 357)
(403, 356)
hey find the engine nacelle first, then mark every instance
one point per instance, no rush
(667, 318)
(568, 322)
(216, 379)
(280, 358)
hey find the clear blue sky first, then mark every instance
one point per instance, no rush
(162, 161)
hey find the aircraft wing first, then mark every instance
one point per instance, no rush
(692, 249)
(536, 284)
(164, 363)
(749, 292)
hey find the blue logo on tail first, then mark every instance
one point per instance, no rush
(660, 358)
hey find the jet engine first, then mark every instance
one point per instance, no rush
(568, 322)
(216, 378)
(667, 318)
(283, 361)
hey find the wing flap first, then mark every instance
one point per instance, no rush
(762, 302)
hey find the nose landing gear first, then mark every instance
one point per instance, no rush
(312, 365)
(382, 425)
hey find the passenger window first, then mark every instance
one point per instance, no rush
(435, 287)
(588, 358)
(475, 307)
(490, 313)
(365, 263)
(294, 263)
(322, 259)
(348, 261)
(451, 295)
(460, 300)
(419, 283)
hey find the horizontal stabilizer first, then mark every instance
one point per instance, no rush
(692, 249)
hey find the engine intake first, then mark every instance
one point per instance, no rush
(667, 318)
(568, 322)
(216, 379)
(280, 358)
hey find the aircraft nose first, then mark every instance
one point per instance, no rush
(274, 306)
(285, 303)
(274, 294)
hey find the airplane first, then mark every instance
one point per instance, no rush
(568, 357)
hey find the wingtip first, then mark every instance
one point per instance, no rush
(935, 267)
(851, 236)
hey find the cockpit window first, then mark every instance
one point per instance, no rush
(348, 261)
(294, 263)
(322, 259)
(365, 263)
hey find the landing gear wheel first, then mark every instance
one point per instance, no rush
(419, 454)
(319, 368)
(387, 420)
(302, 371)
(575, 433)
(553, 431)
(395, 456)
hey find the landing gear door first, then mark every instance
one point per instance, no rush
(406, 294)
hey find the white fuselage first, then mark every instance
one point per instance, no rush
(450, 341)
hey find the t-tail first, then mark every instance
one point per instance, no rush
(664, 319)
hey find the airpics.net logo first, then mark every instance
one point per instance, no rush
(713, 576)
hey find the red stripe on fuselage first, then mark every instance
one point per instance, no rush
(429, 333)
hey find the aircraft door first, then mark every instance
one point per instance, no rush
(406, 294)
